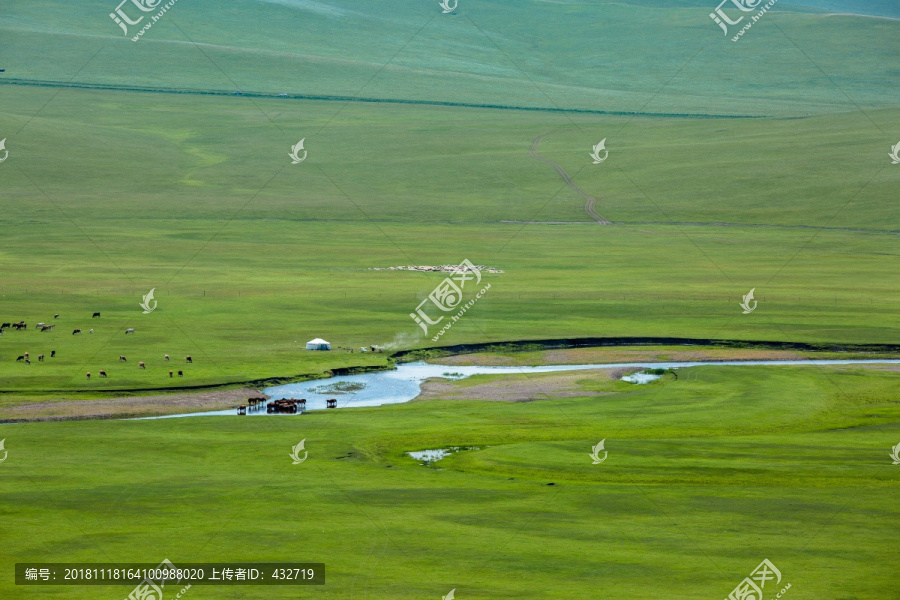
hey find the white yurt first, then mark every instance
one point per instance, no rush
(318, 344)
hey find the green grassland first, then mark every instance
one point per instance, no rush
(758, 164)
(707, 474)
(251, 256)
(108, 193)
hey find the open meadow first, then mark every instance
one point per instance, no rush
(242, 178)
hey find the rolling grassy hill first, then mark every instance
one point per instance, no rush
(663, 57)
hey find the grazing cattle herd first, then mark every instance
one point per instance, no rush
(44, 327)
(282, 406)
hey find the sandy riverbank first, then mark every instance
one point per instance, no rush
(134, 406)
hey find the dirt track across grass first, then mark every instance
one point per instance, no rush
(590, 200)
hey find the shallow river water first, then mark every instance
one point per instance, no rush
(404, 383)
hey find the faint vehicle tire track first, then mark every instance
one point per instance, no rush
(591, 201)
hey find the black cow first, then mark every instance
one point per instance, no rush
(76, 331)
(95, 315)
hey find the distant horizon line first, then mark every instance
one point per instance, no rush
(337, 98)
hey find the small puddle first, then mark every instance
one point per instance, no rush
(427, 457)
(641, 378)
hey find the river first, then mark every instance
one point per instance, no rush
(404, 383)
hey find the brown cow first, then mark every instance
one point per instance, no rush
(122, 358)
(141, 365)
(102, 373)
(40, 357)
(89, 374)
(170, 373)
